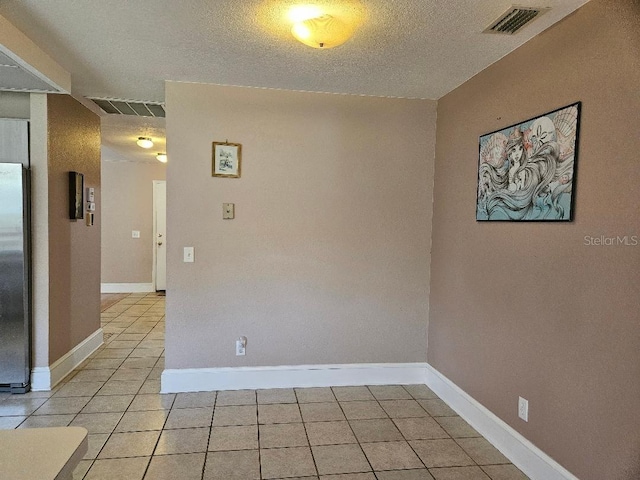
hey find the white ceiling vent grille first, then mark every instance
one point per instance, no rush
(124, 107)
(514, 19)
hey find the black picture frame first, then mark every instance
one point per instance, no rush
(527, 171)
(76, 195)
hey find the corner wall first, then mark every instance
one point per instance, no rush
(327, 260)
(74, 247)
(528, 309)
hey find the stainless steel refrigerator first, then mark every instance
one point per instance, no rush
(15, 278)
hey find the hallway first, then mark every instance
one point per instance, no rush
(340, 433)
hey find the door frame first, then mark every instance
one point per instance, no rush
(155, 231)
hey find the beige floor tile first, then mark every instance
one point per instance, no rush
(235, 415)
(139, 362)
(236, 397)
(147, 352)
(132, 336)
(283, 435)
(375, 430)
(150, 386)
(96, 442)
(174, 467)
(189, 418)
(45, 421)
(279, 413)
(120, 387)
(437, 408)
(97, 422)
(331, 459)
(391, 456)
(152, 401)
(329, 433)
(9, 423)
(81, 469)
(351, 394)
(195, 399)
(107, 404)
(123, 344)
(19, 406)
(128, 374)
(239, 465)
(315, 395)
(457, 427)
(420, 392)
(420, 428)
(101, 363)
(419, 474)
(141, 421)
(182, 440)
(93, 375)
(287, 462)
(243, 437)
(482, 451)
(277, 395)
(390, 392)
(504, 472)
(79, 389)
(441, 453)
(321, 412)
(403, 408)
(132, 444)
(363, 410)
(62, 406)
(119, 468)
(459, 473)
(115, 353)
(350, 476)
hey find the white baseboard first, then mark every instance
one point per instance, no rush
(126, 288)
(45, 378)
(536, 464)
(209, 379)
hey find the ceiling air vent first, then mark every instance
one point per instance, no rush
(123, 107)
(514, 19)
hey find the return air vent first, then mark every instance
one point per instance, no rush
(514, 19)
(122, 107)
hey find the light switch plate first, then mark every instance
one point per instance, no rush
(188, 255)
(228, 211)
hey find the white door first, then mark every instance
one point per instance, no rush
(160, 233)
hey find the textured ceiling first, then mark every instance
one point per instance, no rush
(405, 48)
(119, 135)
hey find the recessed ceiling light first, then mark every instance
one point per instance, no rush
(162, 157)
(145, 142)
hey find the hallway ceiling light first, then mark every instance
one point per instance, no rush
(145, 142)
(162, 157)
(317, 29)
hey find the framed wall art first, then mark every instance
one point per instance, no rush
(526, 172)
(226, 159)
(76, 195)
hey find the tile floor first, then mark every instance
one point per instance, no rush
(342, 433)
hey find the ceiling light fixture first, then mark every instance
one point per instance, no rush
(162, 157)
(318, 30)
(145, 142)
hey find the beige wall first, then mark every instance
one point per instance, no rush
(127, 204)
(527, 308)
(74, 247)
(327, 260)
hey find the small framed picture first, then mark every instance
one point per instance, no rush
(226, 159)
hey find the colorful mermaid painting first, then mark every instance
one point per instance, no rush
(526, 171)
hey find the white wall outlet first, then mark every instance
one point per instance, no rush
(523, 409)
(241, 346)
(135, 233)
(228, 211)
(188, 255)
